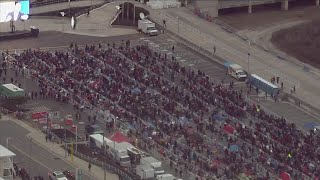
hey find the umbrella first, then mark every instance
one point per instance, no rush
(229, 129)
(183, 120)
(243, 176)
(136, 91)
(234, 148)
(285, 176)
(219, 117)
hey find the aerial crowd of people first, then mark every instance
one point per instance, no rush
(199, 125)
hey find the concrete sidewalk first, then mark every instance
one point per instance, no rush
(38, 137)
(64, 5)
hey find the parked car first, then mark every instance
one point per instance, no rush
(93, 129)
(57, 175)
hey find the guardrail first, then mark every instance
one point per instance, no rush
(49, 2)
(84, 11)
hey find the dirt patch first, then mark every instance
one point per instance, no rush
(301, 41)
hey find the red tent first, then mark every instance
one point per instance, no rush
(119, 137)
(285, 176)
(228, 129)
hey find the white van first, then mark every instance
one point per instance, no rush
(237, 72)
(166, 177)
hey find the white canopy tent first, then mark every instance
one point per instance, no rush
(162, 4)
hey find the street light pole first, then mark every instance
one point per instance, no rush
(65, 142)
(76, 138)
(104, 158)
(69, 7)
(8, 138)
(62, 14)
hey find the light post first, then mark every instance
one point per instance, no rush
(69, 7)
(65, 143)
(8, 138)
(178, 21)
(24, 76)
(76, 128)
(62, 14)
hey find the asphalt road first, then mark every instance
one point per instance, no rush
(35, 159)
(58, 39)
(301, 118)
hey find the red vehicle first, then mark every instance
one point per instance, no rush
(70, 175)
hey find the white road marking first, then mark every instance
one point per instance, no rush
(27, 155)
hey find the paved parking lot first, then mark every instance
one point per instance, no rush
(191, 58)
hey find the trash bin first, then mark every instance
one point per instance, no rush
(34, 31)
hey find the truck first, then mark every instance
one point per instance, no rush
(119, 152)
(236, 71)
(145, 172)
(148, 27)
(153, 163)
(96, 141)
